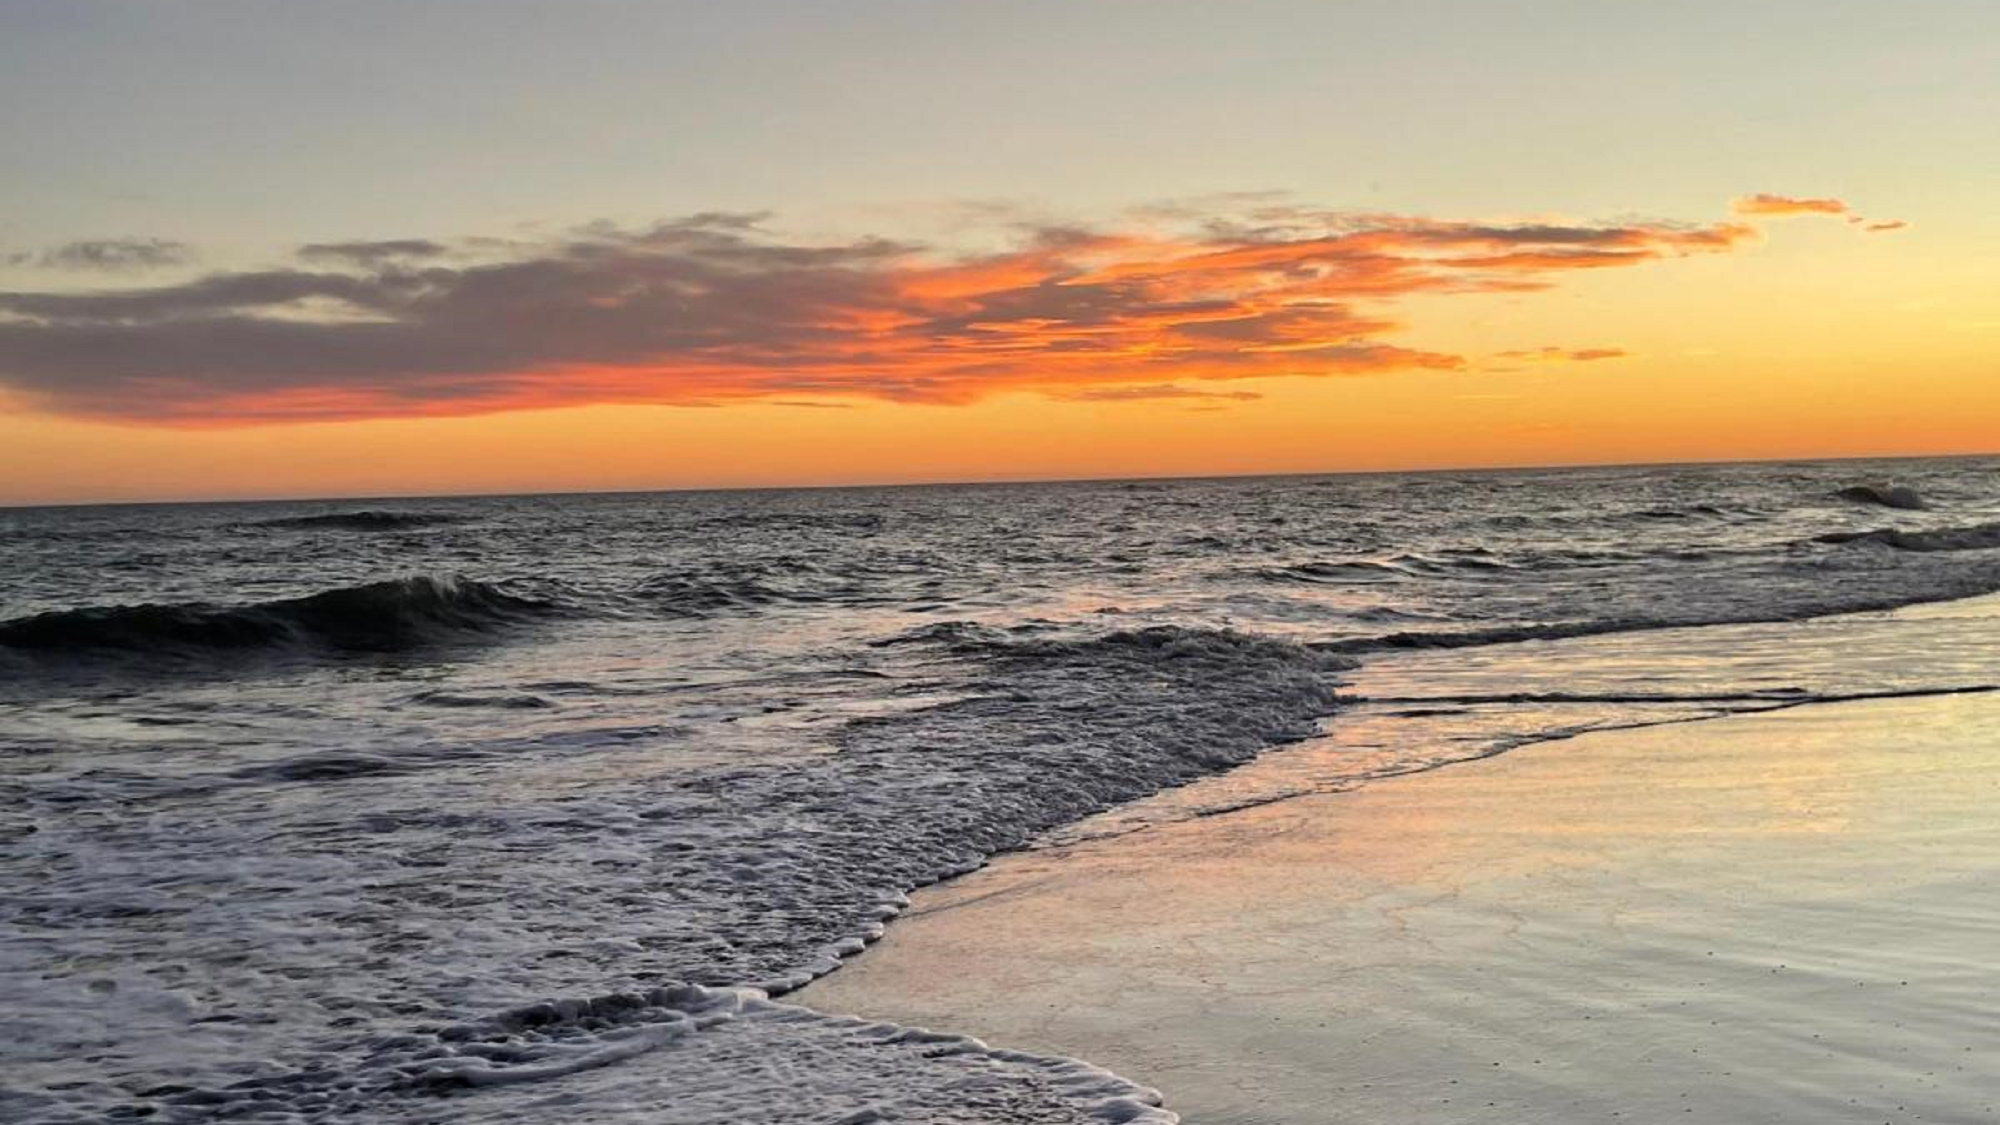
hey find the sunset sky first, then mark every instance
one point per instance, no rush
(258, 249)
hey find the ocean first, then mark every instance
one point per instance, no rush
(504, 808)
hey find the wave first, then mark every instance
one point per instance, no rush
(387, 616)
(757, 584)
(1452, 561)
(367, 519)
(1755, 698)
(1336, 573)
(1398, 568)
(1693, 511)
(757, 880)
(862, 1070)
(1474, 638)
(1591, 627)
(686, 595)
(859, 524)
(1978, 537)
(326, 766)
(505, 702)
(559, 1038)
(1883, 495)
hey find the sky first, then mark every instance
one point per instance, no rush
(257, 249)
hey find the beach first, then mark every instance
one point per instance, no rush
(999, 564)
(1276, 785)
(1780, 917)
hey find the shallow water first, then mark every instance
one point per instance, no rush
(1778, 918)
(310, 807)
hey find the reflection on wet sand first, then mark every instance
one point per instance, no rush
(1776, 917)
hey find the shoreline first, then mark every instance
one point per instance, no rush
(1571, 931)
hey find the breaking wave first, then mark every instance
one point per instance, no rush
(1847, 601)
(737, 877)
(1979, 537)
(387, 616)
(1884, 495)
(887, 1061)
(367, 519)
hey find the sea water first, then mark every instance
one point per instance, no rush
(504, 807)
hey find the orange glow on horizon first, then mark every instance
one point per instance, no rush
(1136, 354)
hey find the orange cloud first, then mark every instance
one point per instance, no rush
(1779, 206)
(1564, 355)
(1153, 392)
(1764, 203)
(714, 308)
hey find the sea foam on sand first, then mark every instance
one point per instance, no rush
(1783, 917)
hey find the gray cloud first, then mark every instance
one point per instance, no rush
(113, 254)
(428, 335)
(372, 253)
(712, 308)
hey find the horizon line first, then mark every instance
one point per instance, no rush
(14, 506)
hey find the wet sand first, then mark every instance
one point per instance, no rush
(1789, 917)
